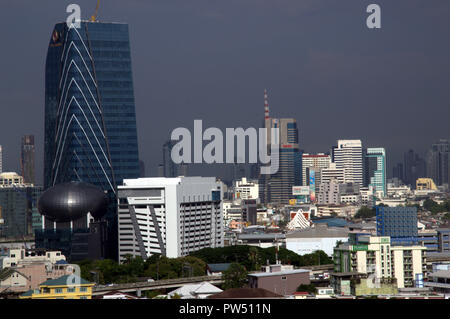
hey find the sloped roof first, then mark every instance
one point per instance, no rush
(63, 281)
(320, 232)
(6, 272)
(242, 293)
(191, 290)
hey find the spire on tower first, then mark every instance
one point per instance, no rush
(266, 105)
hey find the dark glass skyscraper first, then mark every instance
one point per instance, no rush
(90, 121)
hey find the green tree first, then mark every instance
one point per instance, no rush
(235, 276)
(365, 212)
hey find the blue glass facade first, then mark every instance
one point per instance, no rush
(90, 120)
(400, 223)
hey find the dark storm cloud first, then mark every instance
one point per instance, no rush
(211, 60)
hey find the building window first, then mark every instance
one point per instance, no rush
(83, 289)
(283, 278)
(71, 289)
(58, 290)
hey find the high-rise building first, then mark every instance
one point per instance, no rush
(438, 159)
(169, 216)
(318, 161)
(348, 155)
(398, 172)
(414, 167)
(90, 122)
(277, 188)
(18, 207)
(27, 159)
(171, 169)
(375, 170)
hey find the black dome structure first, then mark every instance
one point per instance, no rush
(71, 201)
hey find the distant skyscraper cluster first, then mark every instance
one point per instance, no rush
(435, 165)
(438, 159)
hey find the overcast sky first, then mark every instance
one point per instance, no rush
(212, 59)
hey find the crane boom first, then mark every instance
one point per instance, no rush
(94, 16)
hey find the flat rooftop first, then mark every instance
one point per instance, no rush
(280, 273)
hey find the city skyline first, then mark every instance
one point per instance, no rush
(319, 64)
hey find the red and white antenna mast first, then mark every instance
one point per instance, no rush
(266, 105)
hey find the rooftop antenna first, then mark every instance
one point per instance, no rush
(94, 16)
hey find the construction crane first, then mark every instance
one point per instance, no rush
(94, 16)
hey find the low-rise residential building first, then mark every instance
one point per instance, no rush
(65, 287)
(16, 257)
(278, 280)
(361, 284)
(12, 280)
(375, 256)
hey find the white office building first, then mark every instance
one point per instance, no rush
(331, 173)
(348, 155)
(169, 216)
(245, 189)
(315, 161)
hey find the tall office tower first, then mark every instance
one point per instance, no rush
(18, 206)
(438, 158)
(169, 216)
(90, 122)
(415, 168)
(375, 170)
(348, 155)
(317, 161)
(277, 188)
(1, 159)
(397, 172)
(27, 159)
